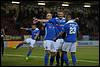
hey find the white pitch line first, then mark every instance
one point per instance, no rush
(42, 57)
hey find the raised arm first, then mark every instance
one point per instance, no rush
(25, 28)
(42, 20)
(35, 20)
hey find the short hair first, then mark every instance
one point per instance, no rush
(60, 11)
(49, 13)
(33, 23)
(72, 14)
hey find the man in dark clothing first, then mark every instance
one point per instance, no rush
(2, 41)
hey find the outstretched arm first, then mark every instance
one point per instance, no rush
(42, 20)
(39, 20)
(25, 28)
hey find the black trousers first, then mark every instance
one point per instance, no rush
(2, 46)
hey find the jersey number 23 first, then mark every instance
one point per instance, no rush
(72, 30)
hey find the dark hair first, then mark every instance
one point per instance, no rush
(72, 14)
(37, 24)
(33, 24)
(60, 11)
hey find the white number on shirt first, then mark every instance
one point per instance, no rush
(72, 30)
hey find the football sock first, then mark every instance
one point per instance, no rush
(62, 61)
(57, 58)
(29, 52)
(65, 58)
(73, 59)
(46, 57)
(19, 45)
(51, 60)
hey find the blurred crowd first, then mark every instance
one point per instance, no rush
(15, 16)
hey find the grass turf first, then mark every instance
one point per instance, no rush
(86, 56)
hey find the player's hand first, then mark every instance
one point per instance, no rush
(21, 28)
(35, 20)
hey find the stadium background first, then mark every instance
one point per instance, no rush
(14, 16)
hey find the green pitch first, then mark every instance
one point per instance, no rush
(86, 56)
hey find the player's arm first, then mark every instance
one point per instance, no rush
(37, 35)
(60, 34)
(25, 28)
(78, 32)
(42, 20)
(35, 20)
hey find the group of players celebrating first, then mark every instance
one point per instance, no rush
(55, 44)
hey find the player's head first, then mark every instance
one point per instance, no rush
(33, 26)
(48, 16)
(70, 16)
(60, 14)
(77, 19)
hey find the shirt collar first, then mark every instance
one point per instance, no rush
(71, 21)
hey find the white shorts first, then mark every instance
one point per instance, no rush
(50, 45)
(30, 41)
(69, 47)
(59, 43)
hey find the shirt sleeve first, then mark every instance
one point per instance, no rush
(52, 21)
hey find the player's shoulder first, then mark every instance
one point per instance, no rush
(71, 21)
(66, 24)
(51, 20)
(56, 18)
(64, 18)
(37, 29)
